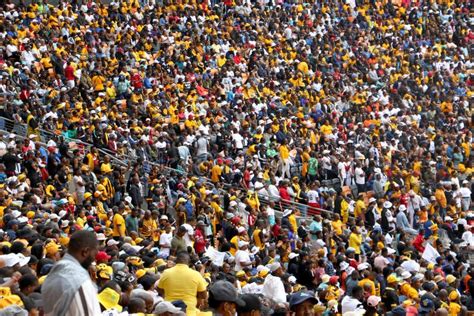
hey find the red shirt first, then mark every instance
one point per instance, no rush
(69, 72)
(199, 241)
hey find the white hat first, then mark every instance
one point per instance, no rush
(274, 266)
(22, 219)
(406, 275)
(387, 204)
(64, 224)
(363, 266)
(402, 208)
(287, 212)
(254, 250)
(167, 307)
(343, 265)
(54, 216)
(10, 260)
(62, 213)
(241, 229)
(101, 237)
(293, 255)
(164, 217)
(448, 219)
(390, 251)
(372, 199)
(258, 186)
(233, 203)
(22, 260)
(243, 243)
(16, 213)
(112, 242)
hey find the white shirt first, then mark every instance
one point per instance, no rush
(165, 243)
(189, 233)
(359, 176)
(241, 256)
(238, 140)
(350, 304)
(312, 196)
(273, 288)
(465, 192)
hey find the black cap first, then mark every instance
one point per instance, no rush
(223, 291)
(252, 303)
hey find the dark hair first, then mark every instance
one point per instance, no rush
(136, 305)
(27, 280)
(17, 247)
(82, 239)
(182, 257)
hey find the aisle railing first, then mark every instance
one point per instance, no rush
(8, 126)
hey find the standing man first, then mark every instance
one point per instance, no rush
(183, 283)
(68, 289)
(118, 223)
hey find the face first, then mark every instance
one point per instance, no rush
(230, 309)
(304, 309)
(88, 255)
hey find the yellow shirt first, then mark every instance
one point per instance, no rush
(182, 283)
(284, 152)
(235, 243)
(337, 227)
(454, 309)
(292, 220)
(216, 172)
(359, 208)
(118, 230)
(355, 240)
(369, 281)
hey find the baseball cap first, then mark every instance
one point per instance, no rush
(109, 298)
(392, 278)
(373, 300)
(167, 307)
(302, 296)
(426, 306)
(112, 242)
(223, 291)
(252, 303)
(102, 256)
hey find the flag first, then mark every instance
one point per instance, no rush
(430, 254)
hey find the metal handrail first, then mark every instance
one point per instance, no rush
(48, 135)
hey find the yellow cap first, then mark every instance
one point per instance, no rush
(87, 195)
(30, 214)
(7, 298)
(52, 248)
(104, 271)
(240, 274)
(140, 273)
(159, 263)
(450, 278)
(136, 261)
(110, 299)
(392, 278)
(453, 295)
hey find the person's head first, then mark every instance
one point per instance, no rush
(136, 305)
(83, 246)
(145, 296)
(302, 303)
(183, 257)
(358, 292)
(28, 283)
(252, 305)
(182, 231)
(223, 298)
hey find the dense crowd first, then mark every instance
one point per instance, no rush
(265, 157)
